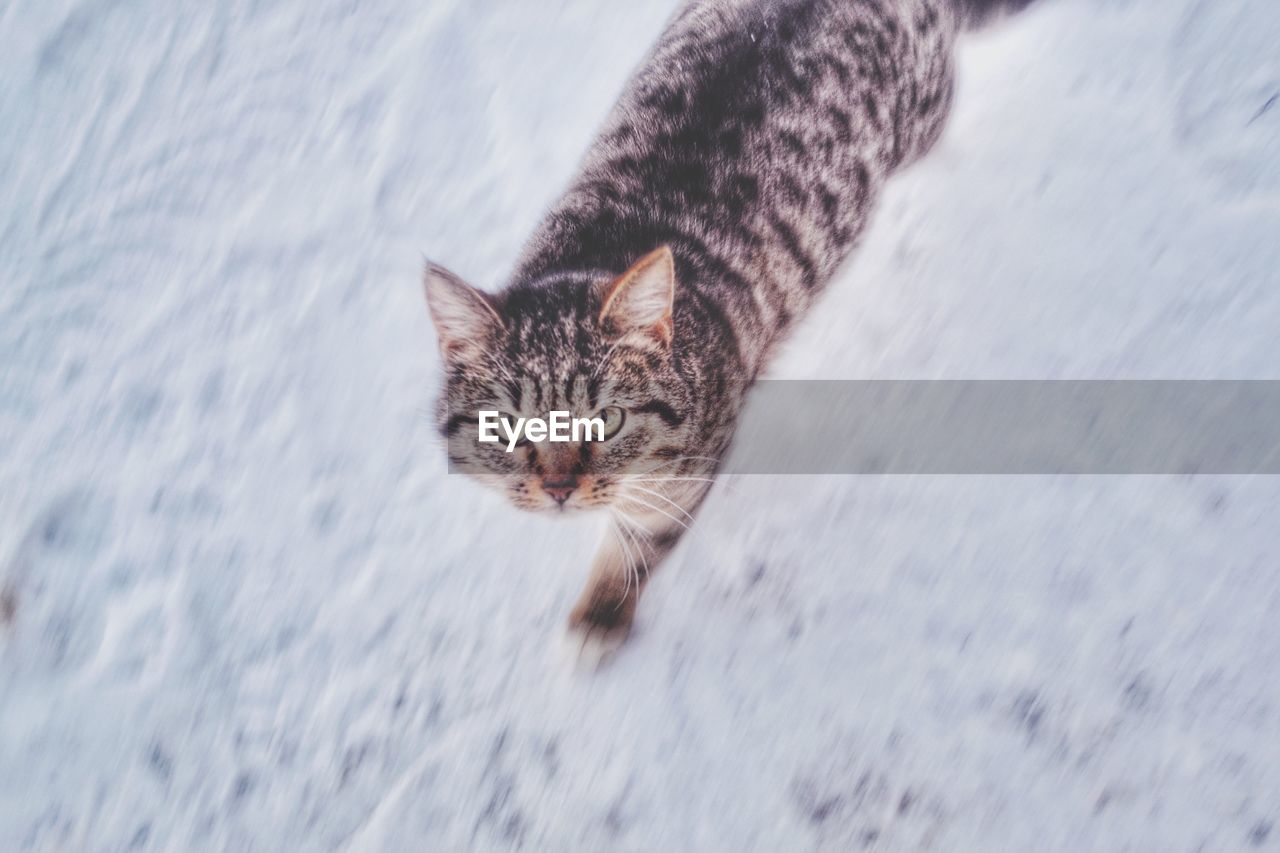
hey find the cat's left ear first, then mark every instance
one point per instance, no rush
(640, 299)
(465, 318)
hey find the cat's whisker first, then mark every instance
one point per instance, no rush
(676, 478)
(623, 525)
(661, 496)
(643, 560)
(631, 563)
(669, 479)
(632, 524)
(656, 469)
(676, 461)
(642, 502)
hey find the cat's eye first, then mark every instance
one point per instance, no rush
(614, 417)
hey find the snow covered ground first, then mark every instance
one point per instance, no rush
(245, 609)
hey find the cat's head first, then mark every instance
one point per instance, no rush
(592, 346)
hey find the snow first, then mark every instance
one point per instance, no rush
(252, 612)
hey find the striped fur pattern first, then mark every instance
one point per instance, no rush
(735, 174)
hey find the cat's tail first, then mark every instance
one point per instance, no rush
(978, 13)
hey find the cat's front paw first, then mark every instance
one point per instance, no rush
(597, 630)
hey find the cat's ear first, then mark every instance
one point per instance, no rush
(640, 299)
(465, 318)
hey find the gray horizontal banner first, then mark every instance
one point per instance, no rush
(1009, 427)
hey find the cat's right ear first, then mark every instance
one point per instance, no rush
(640, 300)
(465, 319)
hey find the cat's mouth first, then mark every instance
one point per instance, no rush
(553, 508)
(559, 494)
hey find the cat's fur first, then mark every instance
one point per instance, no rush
(736, 173)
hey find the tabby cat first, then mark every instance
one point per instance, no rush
(733, 177)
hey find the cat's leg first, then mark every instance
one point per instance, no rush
(628, 556)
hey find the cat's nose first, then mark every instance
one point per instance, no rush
(560, 488)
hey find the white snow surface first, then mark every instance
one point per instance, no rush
(251, 611)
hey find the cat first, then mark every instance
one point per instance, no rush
(735, 174)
